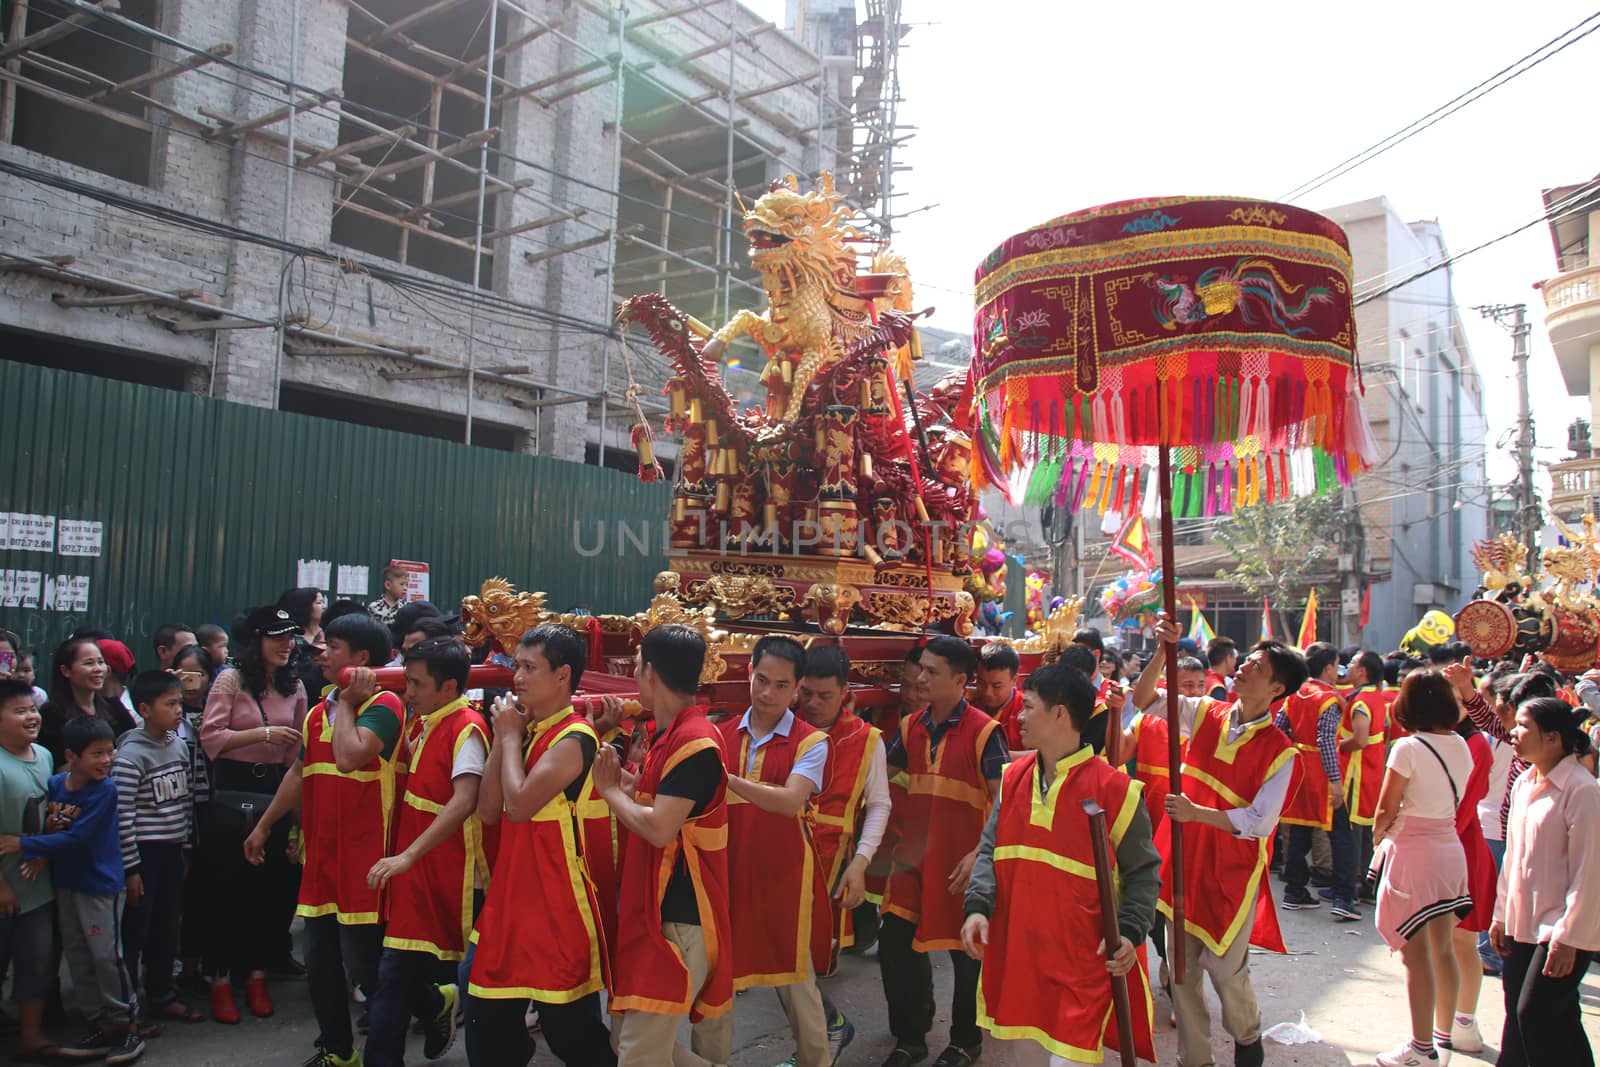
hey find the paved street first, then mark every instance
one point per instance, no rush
(1340, 975)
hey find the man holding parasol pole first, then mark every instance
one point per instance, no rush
(1196, 352)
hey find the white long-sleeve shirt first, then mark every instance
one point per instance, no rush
(875, 821)
(1260, 819)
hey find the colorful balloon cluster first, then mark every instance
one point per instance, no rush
(1130, 594)
(1036, 583)
(990, 618)
(988, 579)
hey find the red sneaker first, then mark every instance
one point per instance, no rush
(255, 991)
(223, 1007)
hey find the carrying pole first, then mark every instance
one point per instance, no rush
(1100, 840)
(1169, 594)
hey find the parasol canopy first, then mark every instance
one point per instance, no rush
(1240, 310)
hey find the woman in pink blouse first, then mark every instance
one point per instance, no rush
(1547, 910)
(251, 732)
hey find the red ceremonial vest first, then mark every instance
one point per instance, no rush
(1224, 877)
(649, 972)
(1312, 805)
(1363, 778)
(538, 936)
(602, 850)
(776, 893)
(344, 821)
(946, 803)
(430, 906)
(1150, 764)
(1041, 980)
(852, 744)
(1009, 716)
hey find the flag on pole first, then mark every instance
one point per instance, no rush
(1308, 624)
(1132, 543)
(1266, 621)
(1366, 606)
(1199, 629)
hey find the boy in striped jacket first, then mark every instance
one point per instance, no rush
(155, 823)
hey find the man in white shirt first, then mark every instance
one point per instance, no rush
(853, 807)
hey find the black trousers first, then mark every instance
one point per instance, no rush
(248, 918)
(498, 1034)
(1542, 1021)
(908, 987)
(334, 950)
(150, 928)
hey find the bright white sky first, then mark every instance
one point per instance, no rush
(1028, 110)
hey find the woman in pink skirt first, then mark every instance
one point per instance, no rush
(1424, 886)
(1482, 876)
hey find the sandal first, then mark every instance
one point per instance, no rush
(145, 1029)
(179, 1012)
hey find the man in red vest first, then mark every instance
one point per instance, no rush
(953, 755)
(1311, 718)
(1237, 771)
(437, 845)
(1040, 984)
(853, 807)
(674, 955)
(344, 786)
(995, 689)
(1223, 656)
(778, 902)
(1363, 737)
(552, 952)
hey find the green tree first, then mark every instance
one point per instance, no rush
(1278, 549)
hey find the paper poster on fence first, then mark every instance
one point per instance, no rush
(80, 593)
(313, 573)
(416, 578)
(80, 537)
(32, 533)
(352, 579)
(8, 589)
(27, 588)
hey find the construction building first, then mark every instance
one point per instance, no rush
(412, 214)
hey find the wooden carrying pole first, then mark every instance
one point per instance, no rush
(1169, 595)
(1100, 839)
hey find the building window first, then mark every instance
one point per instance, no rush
(410, 205)
(62, 97)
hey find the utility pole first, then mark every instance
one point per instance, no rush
(1527, 500)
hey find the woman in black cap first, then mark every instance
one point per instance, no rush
(251, 731)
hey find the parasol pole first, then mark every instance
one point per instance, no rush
(1169, 595)
(1100, 841)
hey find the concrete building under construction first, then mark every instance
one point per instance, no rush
(412, 214)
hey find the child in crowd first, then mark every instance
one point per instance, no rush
(195, 672)
(25, 896)
(86, 868)
(213, 640)
(155, 822)
(25, 672)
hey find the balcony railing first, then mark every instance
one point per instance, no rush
(1574, 483)
(1573, 287)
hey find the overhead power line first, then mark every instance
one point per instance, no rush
(1557, 44)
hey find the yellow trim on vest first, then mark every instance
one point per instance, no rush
(1228, 751)
(938, 785)
(1042, 810)
(1004, 853)
(1130, 807)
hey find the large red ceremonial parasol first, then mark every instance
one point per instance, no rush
(1200, 349)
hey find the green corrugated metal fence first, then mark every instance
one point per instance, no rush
(206, 507)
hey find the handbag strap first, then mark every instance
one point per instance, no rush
(1454, 792)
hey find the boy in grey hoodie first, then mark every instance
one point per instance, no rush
(155, 822)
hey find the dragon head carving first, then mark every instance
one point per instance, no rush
(802, 234)
(500, 615)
